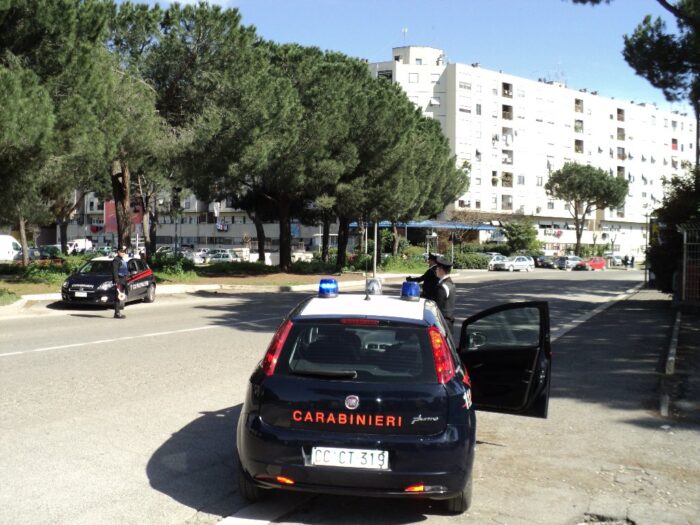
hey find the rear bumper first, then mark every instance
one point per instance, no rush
(441, 462)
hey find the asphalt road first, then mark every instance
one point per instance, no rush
(132, 421)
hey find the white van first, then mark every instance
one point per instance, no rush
(78, 245)
(10, 249)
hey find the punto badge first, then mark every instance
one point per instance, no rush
(352, 402)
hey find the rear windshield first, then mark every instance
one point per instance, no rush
(385, 354)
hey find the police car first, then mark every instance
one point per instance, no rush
(369, 395)
(92, 283)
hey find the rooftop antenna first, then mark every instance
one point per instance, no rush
(404, 31)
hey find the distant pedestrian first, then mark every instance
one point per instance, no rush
(120, 273)
(632, 262)
(626, 261)
(446, 291)
(429, 279)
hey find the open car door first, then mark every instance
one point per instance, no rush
(507, 354)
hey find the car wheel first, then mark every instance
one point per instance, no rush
(527, 269)
(510, 268)
(461, 503)
(150, 294)
(246, 488)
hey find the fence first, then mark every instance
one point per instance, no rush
(691, 263)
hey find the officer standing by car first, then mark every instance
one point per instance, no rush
(120, 272)
(429, 279)
(446, 292)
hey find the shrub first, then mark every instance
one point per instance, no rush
(401, 265)
(171, 264)
(358, 262)
(11, 269)
(311, 267)
(237, 268)
(471, 261)
(46, 274)
(414, 251)
(7, 297)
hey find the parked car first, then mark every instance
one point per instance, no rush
(614, 260)
(196, 258)
(519, 262)
(567, 262)
(548, 262)
(50, 251)
(222, 257)
(494, 259)
(93, 284)
(594, 263)
(374, 397)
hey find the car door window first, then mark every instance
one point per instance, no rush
(505, 330)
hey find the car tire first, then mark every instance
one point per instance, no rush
(246, 488)
(528, 269)
(461, 503)
(510, 268)
(150, 294)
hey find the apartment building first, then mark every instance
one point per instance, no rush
(515, 131)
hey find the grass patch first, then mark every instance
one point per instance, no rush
(165, 277)
(7, 297)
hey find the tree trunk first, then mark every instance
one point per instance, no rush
(260, 232)
(23, 241)
(696, 110)
(343, 233)
(326, 238)
(122, 200)
(63, 230)
(145, 216)
(395, 248)
(285, 224)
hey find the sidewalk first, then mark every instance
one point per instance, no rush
(682, 381)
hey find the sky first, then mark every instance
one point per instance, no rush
(579, 45)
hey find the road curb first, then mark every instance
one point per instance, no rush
(673, 346)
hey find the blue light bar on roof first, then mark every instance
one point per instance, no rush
(328, 288)
(410, 291)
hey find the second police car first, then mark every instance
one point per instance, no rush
(92, 283)
(370, 395)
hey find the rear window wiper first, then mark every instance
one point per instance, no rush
(337, 374)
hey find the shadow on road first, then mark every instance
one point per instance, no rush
(197, 465)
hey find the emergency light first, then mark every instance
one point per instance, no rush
(328, 288)
(410, 291)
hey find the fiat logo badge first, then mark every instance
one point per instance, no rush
(352, 402)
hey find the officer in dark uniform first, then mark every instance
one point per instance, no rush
(445, 293)
(120, 272)
(429, 279)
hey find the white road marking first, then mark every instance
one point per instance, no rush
(131, 337)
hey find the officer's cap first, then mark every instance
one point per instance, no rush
(432, 257)
(444, 263)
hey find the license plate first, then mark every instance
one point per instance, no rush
(350, 457)
(81, 294)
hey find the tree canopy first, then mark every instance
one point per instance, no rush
(585, 189)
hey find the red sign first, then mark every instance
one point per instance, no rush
(110, 212)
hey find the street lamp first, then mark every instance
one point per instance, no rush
(431, 235)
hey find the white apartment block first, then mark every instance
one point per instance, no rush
(514, 131)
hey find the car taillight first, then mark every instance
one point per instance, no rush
(444, 366)
(273, 351)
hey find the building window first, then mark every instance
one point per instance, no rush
(507, 90)
(478, 109)
(506, 202)
(578, 105)
(521, 180)
(465, 109)
(578, 146)
(620, 133)
(434, 101)
(620, 172)
(494, 202)
(419, 61)
(578, 126)
(463, 204)
(550, 205)
(621, 154)
(413, 78)
(435, 78)
(507, 179)
(477, 204)
(465, 85)
(620, 114)
(539, 181)
(506, 112)
(507, 156)
(385, 74)
(494, 178)
(674, 144)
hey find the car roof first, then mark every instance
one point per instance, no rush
(357, 305)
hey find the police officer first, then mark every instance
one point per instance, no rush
(120, 272)
(429, 279)
(445, 292)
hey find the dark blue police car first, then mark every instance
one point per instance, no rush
(370, 395)
(92, 283)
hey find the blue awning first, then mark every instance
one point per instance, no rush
(434, 225)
